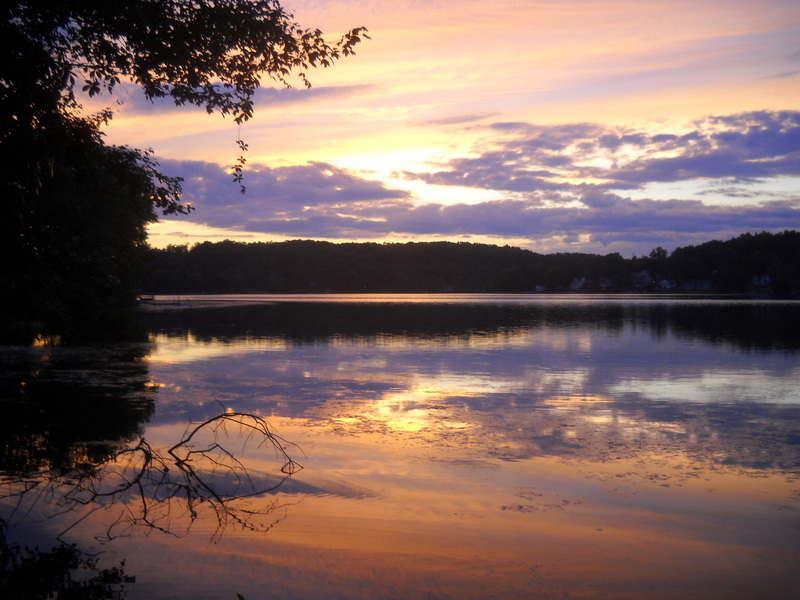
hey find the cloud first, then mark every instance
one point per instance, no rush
(136, 104)
(566, 181)
(782, 75)
(454, 120)
(277, 197)
(526, 157)
(518, 218)
(320, 200)
(281, 96)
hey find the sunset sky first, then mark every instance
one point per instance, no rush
(558, 126)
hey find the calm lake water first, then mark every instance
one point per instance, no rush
(452, 446)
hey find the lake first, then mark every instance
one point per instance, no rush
(419, 446)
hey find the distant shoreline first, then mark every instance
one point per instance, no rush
(173, 302)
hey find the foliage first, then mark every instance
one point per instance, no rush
(209, 53)
(762, 260)
(61, 573)
(73, 231)
(308, 266)
(76, 208)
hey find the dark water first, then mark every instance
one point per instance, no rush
(451, 447)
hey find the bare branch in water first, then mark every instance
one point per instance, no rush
(167, 490)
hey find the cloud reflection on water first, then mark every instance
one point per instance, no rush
(620, 451)
(644, 448)
(568, 377)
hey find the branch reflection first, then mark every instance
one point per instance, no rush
(168, 489)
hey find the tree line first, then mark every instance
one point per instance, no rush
(763, 262)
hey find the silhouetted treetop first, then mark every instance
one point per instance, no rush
(209, 53)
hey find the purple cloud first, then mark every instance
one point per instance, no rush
(562, 182)
(276, 195)
(455, 120)
(526, 157)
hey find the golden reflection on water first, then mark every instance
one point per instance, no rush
(394, 521)
(413, 410)
(190, 348)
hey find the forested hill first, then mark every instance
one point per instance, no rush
(764, 262)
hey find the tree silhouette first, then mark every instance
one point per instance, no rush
(75, 209)
(302, 266)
